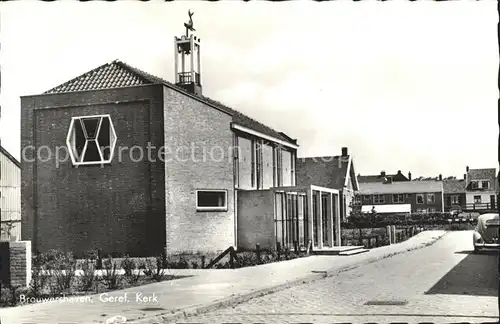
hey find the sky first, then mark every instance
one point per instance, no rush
(408, 86)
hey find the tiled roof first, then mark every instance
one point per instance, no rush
(453, 186)
(9, 156)
(483, 174)
(118, 74)
(401, 187)
(373, 178)
(327, 171)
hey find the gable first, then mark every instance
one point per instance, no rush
(118, 74)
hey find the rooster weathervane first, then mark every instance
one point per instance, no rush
(189, 25)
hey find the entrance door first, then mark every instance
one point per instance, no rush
(492, 202)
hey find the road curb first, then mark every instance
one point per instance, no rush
(241, 298)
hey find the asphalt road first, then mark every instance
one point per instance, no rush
(442, 283)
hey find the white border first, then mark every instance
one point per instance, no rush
(113, 142)
(222, 208)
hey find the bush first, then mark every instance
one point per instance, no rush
(62, 267)
(129, 266)
(38, 280)
(88, 277)
(154, 272)
(110, 277)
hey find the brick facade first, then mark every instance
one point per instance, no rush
(197, 128)
(118, 208)
(15, 262)
(409, 198)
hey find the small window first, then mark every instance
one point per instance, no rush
(398, 198)
(431, 199)
(474, 184)
(420, 199)
(477, 199)
(378, 199)
(366, 198)
(455, 200)
(432, 210)
(485, 184)
(211, 200)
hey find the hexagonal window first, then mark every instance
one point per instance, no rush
(91, 140)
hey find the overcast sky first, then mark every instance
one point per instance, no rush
(408, 86)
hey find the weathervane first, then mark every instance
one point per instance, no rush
(189, 25)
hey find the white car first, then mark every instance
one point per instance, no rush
(486, 233)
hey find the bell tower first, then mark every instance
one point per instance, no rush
(187, 59)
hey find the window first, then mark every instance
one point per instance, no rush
(474, 184)
(421, 210)
(455, 200)
(91, 140)
(211, 200)
(485, 184)
(420, 199)
(431, 199)
(432, 210)
(398, 198)
(477, 199)
(378, 199)
(366, 198)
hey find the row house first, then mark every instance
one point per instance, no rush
(152, 165)
(10, 196)
(454, 195)
(481, 189)
(402, 197)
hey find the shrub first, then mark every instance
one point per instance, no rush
(88, 277)
(129, 266)
(10, 296)
(110, 277)
(38, 280)
(154, 272)
(62, 267)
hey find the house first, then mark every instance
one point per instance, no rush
(124, 161)
(332, 172)
(10, 196)
(481, 189)
(454, 194)
(383, 176)
(423, 196)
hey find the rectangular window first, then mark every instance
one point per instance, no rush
(432, 210)
(477, 199)
(431, 199)
(485, 184)
(378, 199)
(211, 200)
(420, 199)
(455, 200)
(366, 198)
(398, 198)
(474, 184)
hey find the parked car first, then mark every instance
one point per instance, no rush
(486, 233)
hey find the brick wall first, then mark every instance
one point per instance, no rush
(197, 128)
(15, 263)
(119, 208)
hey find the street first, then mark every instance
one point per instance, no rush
(442, 283)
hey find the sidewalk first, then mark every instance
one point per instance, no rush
(205, 290)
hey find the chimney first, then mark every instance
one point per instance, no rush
(344, 151)
(399, 172)
(440, 177)
(465, 176)
(409, 176)
(467, 168)
(382, 173)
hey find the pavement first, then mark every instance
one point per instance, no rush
(205, 290)
(443, 283)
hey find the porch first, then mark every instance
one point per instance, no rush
(289, 217)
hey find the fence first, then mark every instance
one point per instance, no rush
(377, 236)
